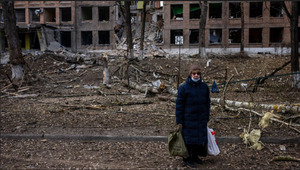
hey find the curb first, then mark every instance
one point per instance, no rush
(224, 139)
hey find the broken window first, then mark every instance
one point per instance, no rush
(34, 14)
(20, 15)
(276, 9)
(177, 12)
(195, 11)
(255, 35)
(22, 39)
(34, 40)
(298, 9)
(215, 10)
(1, 16)
(276, 35)
(66, 14)
(215, 36)
(104, 37)
(256, 9)
(50, 15)
(194, 36)
(103, 13)
(65, 38)
(234, 35)
(235, 10)
(177, 37)
(86, 37)
(87, 13)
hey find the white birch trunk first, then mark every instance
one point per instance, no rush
(296, 80)
(105, 70)
(17, 72)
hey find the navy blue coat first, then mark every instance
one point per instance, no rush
(192, 111)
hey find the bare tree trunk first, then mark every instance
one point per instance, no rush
(128, 29)
(15, 53)
(295, 45)
(242, 28)
(294, 42)
(141, 53)
(105, 70)
(202, 23)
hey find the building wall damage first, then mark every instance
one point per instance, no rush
(98, 25)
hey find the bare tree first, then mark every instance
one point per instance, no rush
(141, 53)
(242, 28)
(202, 24)
(15, 53)
(128, 29)
(293, 17)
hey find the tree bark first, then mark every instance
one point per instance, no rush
(293, 17)
(242, 28)
(128, 29)
(202, 24)
(15, 53)
(106, 75)
(141, 53)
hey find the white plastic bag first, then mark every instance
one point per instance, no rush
(212, 147)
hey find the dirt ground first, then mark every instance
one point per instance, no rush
(70, 99)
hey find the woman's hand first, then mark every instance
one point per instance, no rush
(179, 127)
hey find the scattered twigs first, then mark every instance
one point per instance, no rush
(290, 125)
(224, 92)
(94, 107)
(140, 88)
(285, 158)
(260, 80)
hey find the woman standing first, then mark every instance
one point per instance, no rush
(192, 115)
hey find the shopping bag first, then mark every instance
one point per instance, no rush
(212, 147)
(176, 145)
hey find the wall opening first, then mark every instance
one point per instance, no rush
(215, 10)
(256, 9)
(66, 14)
(3, 41)
(34, 40)
(234, 10)
(234, 35)
(103, 13)
(194, 36)
(1, 16)
(298, 31)
(195, 11)
(255, 35)
(104, 37)
(22, 39)
(177, 12)
(50, 14)
(215, 36)
(34, 14)
(177, 37)
(65, 38)
(276, 9)
(86, 37)
(20, 15)
(276, 35)
(87, 13)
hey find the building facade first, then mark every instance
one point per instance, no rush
(266, 26)
(92, 25)
(74, 24)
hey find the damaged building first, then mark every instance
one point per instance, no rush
(98, 25)
(267, 27)
(74, 24)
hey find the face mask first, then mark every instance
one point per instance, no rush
(195, 80)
